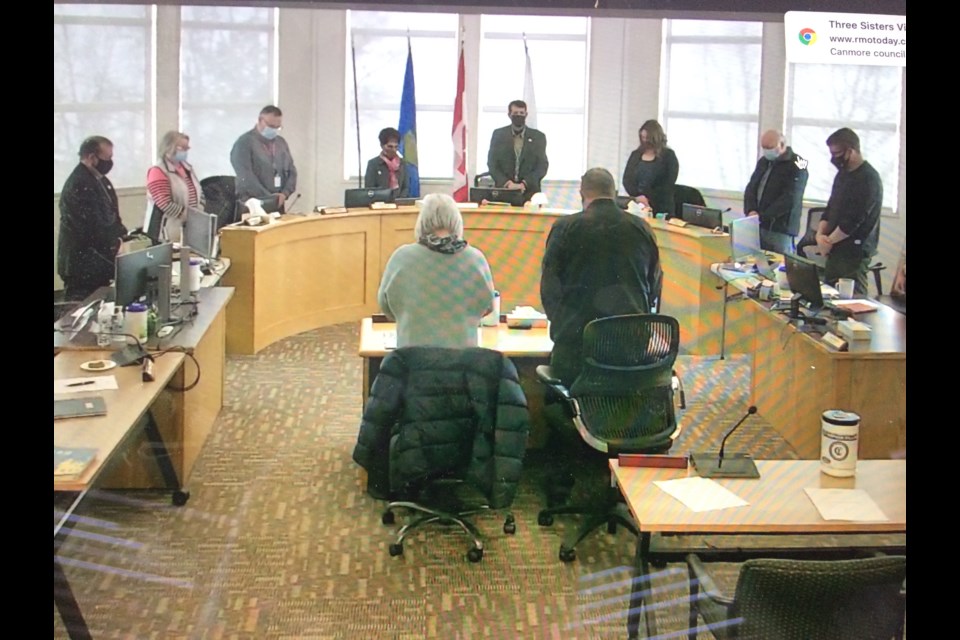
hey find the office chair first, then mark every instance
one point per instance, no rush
(484, 180)
(810, 239)
(220, 194)
(621, 402)
(440, 422)
(803, 599)
(682, 195)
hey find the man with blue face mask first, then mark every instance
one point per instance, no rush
(775, 193)
(263, 164)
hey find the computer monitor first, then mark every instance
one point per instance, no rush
(745, 239)
(365, 197)
(702, 216)
(200, 232)
(513, 197)
(135, 269)
(804, 280)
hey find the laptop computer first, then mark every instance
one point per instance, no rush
(702, 216)
(745, 245)
(513, 197)
(354, 198)
(79, 407)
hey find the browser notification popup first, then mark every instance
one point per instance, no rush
(845, 38)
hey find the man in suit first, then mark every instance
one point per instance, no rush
(518, 154)
(775, 193)
(90, 225)
(598, 263)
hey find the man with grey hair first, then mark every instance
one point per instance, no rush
(775, 193)
(262, 161)
(598, 263)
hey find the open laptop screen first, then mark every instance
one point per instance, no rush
(702, 216)
(513, 197)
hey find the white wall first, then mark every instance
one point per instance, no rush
(623, 92)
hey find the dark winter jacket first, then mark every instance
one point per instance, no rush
(433, 411)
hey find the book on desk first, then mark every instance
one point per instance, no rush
(70, 463)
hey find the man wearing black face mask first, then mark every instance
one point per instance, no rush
(850, 227)
(90, 225)
(518, 154)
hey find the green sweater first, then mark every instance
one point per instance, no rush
(437, 299)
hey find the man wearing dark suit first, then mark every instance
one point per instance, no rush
(518, 154)
(90, 226)
(775, 193)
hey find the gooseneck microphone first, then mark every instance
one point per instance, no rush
(738, 465)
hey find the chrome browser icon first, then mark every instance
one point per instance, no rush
(807, 36)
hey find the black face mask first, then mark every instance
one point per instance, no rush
(518, 121)
(839, 161)
(104, 166)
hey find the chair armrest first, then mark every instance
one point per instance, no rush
(707, 585)
(547, 377)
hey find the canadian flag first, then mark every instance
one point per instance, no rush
(460, 186)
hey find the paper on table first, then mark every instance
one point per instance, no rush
(854, 505)
(701, 494)
(389, 340)
(94, 383)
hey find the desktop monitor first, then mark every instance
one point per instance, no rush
(513, 197)
(353, 198)
(200, 232)
(745, 239)
(804, 280)
(135, 269)
(702, 216)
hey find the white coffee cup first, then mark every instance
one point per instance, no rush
(845, 287)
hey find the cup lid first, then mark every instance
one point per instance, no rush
(841, 418)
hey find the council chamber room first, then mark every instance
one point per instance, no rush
(479, 320)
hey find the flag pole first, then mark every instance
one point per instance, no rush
(356, 111)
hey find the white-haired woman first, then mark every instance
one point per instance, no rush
(438, 288)
(172, 186)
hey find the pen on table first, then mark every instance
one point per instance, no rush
(80, 384)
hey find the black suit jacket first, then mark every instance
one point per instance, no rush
(378, 177)
(533, 159)
(781, 206)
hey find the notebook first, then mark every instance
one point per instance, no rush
(79, 407)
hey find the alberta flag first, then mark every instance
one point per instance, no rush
(408, 126)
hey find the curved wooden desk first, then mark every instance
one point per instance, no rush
(311, 271)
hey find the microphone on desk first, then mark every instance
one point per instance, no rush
(739, 465)
(289, 203)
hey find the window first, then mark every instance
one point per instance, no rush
(221, 95)
(380, 40)
(822, 98)
(711, 100)
(101, 86)
(558, 60)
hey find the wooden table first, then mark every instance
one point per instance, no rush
(777, 505)
(310, 271)
(111, 435)
(527, 348)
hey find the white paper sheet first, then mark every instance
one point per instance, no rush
(85, 385)
(389, 340)
(853, 505)
(701, 494)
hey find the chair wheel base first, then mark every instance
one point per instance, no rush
(567, 555)
(388, 517)
(510, 526)
(544, 519)
(180, 497)
(396, 550)
(475, 555)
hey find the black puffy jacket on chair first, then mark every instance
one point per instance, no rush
(435, 411)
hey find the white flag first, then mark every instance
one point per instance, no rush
(528, 95)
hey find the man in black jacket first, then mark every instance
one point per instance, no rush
(518, 154)
(775, 193)
(90, 225)
(598, 263)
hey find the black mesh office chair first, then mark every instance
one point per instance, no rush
(803, 599)
(220, 193)
(484, 180)
(810, 240)
(443, 435)
(682, 194)
(621, 402)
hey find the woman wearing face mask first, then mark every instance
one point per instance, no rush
(172, 186)
(388, 170)
(651, 173)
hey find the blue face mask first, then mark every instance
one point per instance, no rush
(771, 154)
(270, 133)
(180, 156)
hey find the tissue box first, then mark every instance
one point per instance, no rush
(854, 330)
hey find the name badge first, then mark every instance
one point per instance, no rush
(276, 181)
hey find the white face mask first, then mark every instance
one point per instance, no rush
(269, 132)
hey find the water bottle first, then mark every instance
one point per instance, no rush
(105, 325)
(492, 319)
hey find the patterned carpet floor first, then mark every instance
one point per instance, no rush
(280, 541)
